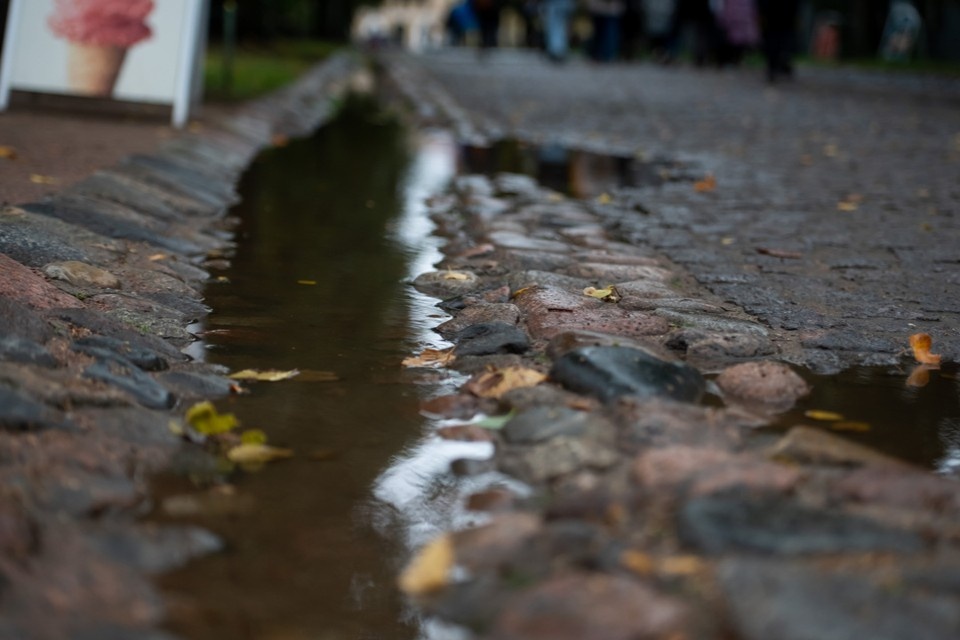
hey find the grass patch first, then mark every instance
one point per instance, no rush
(260, 68)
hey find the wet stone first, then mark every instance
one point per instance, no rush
(543, 423)
(712, 322)
(19, 412)
(99, 323)
(145, 316)
(81, 274)
(190, 385)
(575, 339)
(585, 605)
(557, 457)
(104, 346)
(477, 314)
(122, 374)
(792, 602)
(25, 288)
(18, 320)
(523, 242)
(490, 338)
(441, 284)
(771, 524)
(611, 372)
(605, 274)
(710, 346)
(77, 492)
(151, 548)
(17, 349)
(771, 384)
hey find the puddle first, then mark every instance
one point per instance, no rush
(920, 424)
(578, 173)
(330, 229)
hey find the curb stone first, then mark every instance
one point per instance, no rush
(99, 284)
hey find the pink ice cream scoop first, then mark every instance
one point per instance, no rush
(119, 23)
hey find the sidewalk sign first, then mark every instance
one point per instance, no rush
(138, 51)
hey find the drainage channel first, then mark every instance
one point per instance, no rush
(330, 228)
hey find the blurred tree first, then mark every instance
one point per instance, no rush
(271, 19)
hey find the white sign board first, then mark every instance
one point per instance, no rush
(130, 50)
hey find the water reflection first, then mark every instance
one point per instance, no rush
(330, 229)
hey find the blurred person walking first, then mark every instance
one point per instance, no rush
(487, 13)
(657, 22)
(556, 25)
(695, 15)
(738, 30)
(605, 15)
(778, 25)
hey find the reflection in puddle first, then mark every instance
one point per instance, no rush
(920, 424)
(579, 173)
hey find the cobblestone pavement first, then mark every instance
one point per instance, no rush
(835, 217)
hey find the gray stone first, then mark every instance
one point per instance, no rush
(19, 320)
(711, 322)
(444, 284)
(151, 548)
(771, 524)
(543, 423)
(189, 385)
(19, 412)
(100, 324)
(792, 602)
(35, 240)
(81, 274)
(611, 372)
(477, 314)
(17, 349)
(122, 374)
(103, 346)
(490, 338)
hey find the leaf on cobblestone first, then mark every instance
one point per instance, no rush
(429, 571)
(430, 358)
(204, 417)
(493, 384)
(8, 153)
(494, 422)
(455, 275)
(604, 198)
(36, 178)
(707, 183)
(607, 294)
(921, 343)
(270, 375)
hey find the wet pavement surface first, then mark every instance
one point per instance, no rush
(615, 385)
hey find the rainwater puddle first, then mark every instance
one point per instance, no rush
(876, 407)
(575, 172)
(330, 229)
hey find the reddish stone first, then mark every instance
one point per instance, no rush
(492, 544)
(456, 406)
(773, 384)
(465, 433)
(905, 489)
(23, 285)
(582, 606)
(494, 500)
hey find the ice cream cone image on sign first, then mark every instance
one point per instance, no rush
(100, 33)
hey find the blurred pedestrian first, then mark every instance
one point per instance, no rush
(556, 26)
(695, 15)
(487, 13)
(778, 24)
(605, 15)
(657, 20)
(460, 22)
(738, 30)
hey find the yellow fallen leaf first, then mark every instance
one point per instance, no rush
(307, 282)
(493, 384)
(708, 183)
(429, 570)
(608, 293)
(430, 358)
(638, 562)
(204, 417)
(456, 275)
(921, 343)
(36, 178)
(844, 205)
(253, 436)
(681, 565)
(553, 196)
(270, 375)
(850, 425)
(727, 241)
(7, 152)
(251, 453)
(604, 198)
(825, 416)
(158, 256)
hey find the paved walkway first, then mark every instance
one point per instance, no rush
(851, 175)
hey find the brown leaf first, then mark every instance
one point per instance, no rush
(252, 453)
(8, 153)
(494, 384)
(430, 358)
(708, 183)
(271, 375)
(921, 343)
(429, 570)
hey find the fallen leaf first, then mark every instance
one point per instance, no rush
(779, 253)
(36, 178)
(493, 384)
(921, 343)
(270, 375)
(204, 417)
(456, 275)
(521, 291)
(681, 565)
(553, 196)
(607, 294)
(825, 416)
(430, 358)
(727, 241)
(279, 140)
(494, 422)
(253, 436)
(604, 198)
(158, 256)
(307, 282)
(8, 152)
(843, 205)
(708, 183)
(850, 425)
(429, 570)
(638, 562)
(253, 453)
(831, 151)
